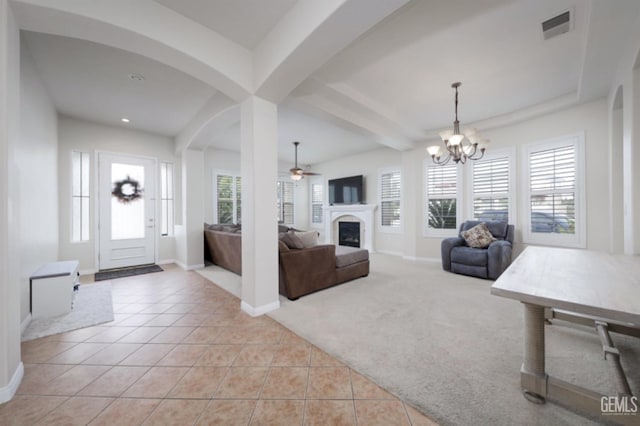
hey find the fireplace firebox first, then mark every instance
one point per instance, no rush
(349, 234)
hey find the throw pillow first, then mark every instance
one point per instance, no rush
(292, 240)
(478, 236)
(282, 246)
(309, 238)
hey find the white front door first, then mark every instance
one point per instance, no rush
(127, 211)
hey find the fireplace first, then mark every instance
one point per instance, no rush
(349, 234)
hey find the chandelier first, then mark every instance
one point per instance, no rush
(459, 146)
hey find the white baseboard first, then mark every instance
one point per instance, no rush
(166, 262)
(390, 253)
(422, 259)
(189, 267)
(25, 323)
(260, 310)
(7, 392)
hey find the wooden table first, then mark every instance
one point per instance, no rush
(588, 287)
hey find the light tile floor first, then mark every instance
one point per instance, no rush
(180, 351)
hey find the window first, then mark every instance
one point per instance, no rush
(490, 188)
(228, 195)
(317, 197)
(390, 200)
(554, 205)
(166, 199)
(285, 202)
(442, 199)
(80, 196)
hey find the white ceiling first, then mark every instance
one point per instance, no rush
(392, 84)
(245, 22)
(91, 81)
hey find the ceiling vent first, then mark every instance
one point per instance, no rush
(557, 25)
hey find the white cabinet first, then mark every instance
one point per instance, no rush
(52, 289)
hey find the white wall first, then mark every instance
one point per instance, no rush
(75, 134)
(37, 163)
(11, 369)
(369, 165)
(590, 118)
(628, 77)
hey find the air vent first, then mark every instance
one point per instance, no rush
(557, 25)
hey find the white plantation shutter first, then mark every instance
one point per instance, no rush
(238, 218)
(228, 197)
(552, 178)
(285, 202)
(390, 199)
(442, 198)
(491, 189)
(316, 202)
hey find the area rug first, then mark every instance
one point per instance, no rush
(126, 272)
(93, 305)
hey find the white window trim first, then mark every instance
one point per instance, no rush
(579, 239)
(510, 153)
(386, 228)
(170, 226)
(440, 233)
(214, 179)
(317, 180)
(92, 176)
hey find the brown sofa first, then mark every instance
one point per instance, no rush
(224, 248)
(302, 271)
(307, 270)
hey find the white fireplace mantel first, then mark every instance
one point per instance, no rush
(364, 212)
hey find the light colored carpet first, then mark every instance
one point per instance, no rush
(93, 305)
(444, 344)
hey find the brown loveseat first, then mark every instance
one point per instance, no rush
(302, 271)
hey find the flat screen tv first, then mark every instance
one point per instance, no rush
(347, 190)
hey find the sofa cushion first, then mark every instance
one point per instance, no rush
(309, 238)
(291, 240)
(478, 236)
(346, 256)
(469, 256)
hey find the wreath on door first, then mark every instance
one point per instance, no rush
(127, 190)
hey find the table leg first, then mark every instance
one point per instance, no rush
(533, 377)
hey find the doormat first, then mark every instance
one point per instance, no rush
(126, 272)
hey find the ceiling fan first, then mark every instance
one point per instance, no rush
(297, 173)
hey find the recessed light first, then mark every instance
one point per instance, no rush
(136, 77)
(125, 120)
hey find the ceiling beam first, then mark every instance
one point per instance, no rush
(140, 27)
(335, 102)
(308, 36)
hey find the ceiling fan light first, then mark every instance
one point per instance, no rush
(296, 176)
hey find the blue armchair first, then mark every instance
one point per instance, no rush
(489, 262)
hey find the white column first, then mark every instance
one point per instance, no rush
(259, 166)
(191, 249)
(11, 369)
